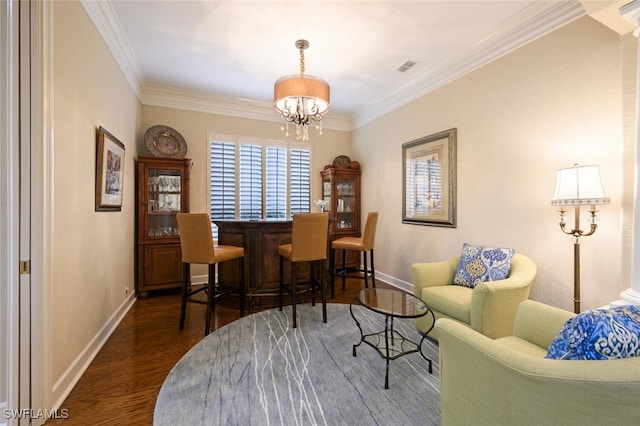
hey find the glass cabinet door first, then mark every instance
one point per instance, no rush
(345, 203)
(164, 201)
(341, 191)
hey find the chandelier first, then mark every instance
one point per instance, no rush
(301, 99)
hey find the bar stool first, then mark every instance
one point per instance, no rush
(196, 244)
(364, 245)
(309, 237)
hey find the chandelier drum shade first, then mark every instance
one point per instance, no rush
(301, 99)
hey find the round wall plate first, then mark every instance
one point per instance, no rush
(163, 141)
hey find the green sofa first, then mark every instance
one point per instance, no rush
(507, 381)
(489, 308)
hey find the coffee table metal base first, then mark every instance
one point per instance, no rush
(390, 343)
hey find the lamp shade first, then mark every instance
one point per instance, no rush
(290, 89)
(578, 186)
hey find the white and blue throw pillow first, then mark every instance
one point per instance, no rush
(599, 334)
(480, 264)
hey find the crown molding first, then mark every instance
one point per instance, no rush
(540, 19)
(106, 22)
(169, 97)
(631, 12)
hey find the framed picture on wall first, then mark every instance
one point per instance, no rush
(429, 180)
(109, 171)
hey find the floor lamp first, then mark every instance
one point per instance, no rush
(578, 186)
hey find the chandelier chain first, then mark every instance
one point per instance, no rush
(302, 47)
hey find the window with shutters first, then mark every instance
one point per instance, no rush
(252, 179)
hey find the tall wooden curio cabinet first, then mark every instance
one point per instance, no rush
(163, 191)
(341, 187)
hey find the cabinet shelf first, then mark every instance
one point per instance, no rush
(166, 192)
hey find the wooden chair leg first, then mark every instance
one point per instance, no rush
(241, 275)
(293, 292)
(332, 271)
(313, 283)
(365, 270)
(373, 270)
(344, 269)
(210, 296)
(185, 289)
(281, 286)
(322, 295)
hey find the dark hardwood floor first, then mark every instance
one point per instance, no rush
(121, 384)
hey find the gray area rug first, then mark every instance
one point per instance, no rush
(260, 371)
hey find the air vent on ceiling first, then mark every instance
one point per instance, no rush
(406, 66)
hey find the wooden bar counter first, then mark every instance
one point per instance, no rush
(260, 239)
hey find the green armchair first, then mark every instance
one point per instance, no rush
(489, 308)
(508, 381)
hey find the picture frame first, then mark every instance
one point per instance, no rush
(429, 180)
(110, 156)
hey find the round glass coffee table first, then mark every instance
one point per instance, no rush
(390, 343)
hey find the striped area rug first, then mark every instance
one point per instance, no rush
(260, 371)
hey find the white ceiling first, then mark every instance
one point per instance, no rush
(228, 54)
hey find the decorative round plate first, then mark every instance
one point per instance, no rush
(163, 141)
(342, 162)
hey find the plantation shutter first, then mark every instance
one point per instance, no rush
(223, 180)
(299, 181)
(250, 182)
(253, 179)
(276, 182)
(222, 192)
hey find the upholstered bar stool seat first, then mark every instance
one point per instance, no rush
(309, 237)
(196, 244)
(362, 244)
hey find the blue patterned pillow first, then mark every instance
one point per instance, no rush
(480, 264)
(599, 334)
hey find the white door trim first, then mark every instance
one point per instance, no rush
(10, 93)
(42, 206)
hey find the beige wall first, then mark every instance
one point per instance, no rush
(93, 252)
(553, 103)
(194, 127)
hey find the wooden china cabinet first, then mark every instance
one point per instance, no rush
(341, 186)
(162, 192)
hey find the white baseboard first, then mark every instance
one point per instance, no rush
(199, 279)
(402, 285)
(63, 386)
